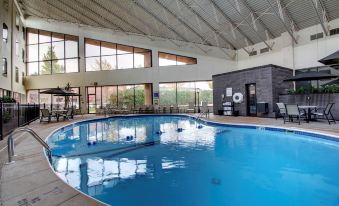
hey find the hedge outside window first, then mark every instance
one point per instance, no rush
(51, 53)
(102, 55)
(166, 59)
(122, 96)
(182, 93)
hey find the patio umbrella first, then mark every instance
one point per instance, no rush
(308, 76)
(57, 91)
(330, 59)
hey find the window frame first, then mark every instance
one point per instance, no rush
(50, 43)
(176, 59)
(116, 55)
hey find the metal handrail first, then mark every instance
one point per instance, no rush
(10, 142)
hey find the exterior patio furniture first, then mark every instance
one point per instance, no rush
(292, 111)
(45, 114)
(308, 111)
(326, 113)
(282, 109)
(204, 109)
(190, 108)
(67, 114)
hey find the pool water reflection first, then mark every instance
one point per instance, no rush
(214, 165)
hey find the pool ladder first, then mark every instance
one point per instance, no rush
(10, 142)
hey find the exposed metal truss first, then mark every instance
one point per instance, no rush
(227, 24)
(279, 12)
(321, 14)
(251, 25)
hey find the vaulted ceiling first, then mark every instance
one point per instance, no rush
(231, 24)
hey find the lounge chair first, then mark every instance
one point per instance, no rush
(45, 114)
(190, 108)
(282, 110)
(326, 113)
(292, 111)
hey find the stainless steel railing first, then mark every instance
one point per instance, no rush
(10, 142)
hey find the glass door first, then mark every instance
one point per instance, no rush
(251, 100)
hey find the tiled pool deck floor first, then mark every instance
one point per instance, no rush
(30, 181)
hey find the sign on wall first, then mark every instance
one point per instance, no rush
(229, 92)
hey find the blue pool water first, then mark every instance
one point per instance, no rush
(212, 165)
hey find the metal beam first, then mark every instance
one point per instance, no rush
(282, 20)
(231, 22)
(256, 17)
(289, 16)
(121, 19)
(190, 28)
(250, 25)
(208, 24)
(165, 24)
(87, 17)
(321, 17)
(183, 23)
(81, 3)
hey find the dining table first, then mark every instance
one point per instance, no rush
(308, 111)
(59, 112)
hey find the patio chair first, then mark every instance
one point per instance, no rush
(45, 114)
(326, 113)
(175, 109)
(67, 115)
(190, 108)
(156, 109)
(204, 109)
(292, 110)
(282, 110)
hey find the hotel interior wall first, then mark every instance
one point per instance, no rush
(9, 83)
(206, 67)
(304, 54)
(295, 56)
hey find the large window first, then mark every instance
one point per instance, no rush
(51, 101)
(122, 96)
(182, 93)
(166, 59)
(16, 74)
(51, 53)
(4, 67)
(4, 33)
(102, 55)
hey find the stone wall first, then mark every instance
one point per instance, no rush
(268, 80)
(320, 100)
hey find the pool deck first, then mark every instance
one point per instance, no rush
(29, 181)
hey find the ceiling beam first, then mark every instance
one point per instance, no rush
(184, 23)
(191, 29)
(289, 16)
(232, 23)
(139, 5)
(291, 33)
(121, 19)
(208, 24)
(84, 6)
(256, 17)
(250, 25)
(321, 16)
(78, 12)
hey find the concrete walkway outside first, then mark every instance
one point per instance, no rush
(30, 181)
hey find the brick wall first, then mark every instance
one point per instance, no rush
(268, 80)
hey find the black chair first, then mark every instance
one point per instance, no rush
(326, 113)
